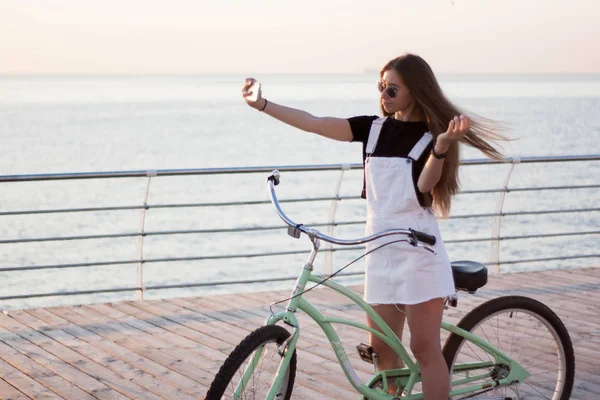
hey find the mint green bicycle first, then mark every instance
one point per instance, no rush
(510, 347)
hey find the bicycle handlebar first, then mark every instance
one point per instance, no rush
(295, 229)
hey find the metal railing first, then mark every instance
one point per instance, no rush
(495, 237)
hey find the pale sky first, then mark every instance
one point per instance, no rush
(311, 36)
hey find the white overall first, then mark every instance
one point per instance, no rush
(400, 273)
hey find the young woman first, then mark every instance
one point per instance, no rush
(411, 159)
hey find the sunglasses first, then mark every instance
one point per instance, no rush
(389, 90)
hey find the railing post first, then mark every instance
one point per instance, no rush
(332, 211)
(140, 265)
(497, 220)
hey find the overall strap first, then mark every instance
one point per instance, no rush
(374, 135)
(421, 145)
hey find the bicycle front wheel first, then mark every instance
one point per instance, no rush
(528, 332)
(266, 341)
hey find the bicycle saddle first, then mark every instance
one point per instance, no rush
(469, 275)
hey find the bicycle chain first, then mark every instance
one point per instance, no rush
(483, 391)
(476, 394)
(478, 367)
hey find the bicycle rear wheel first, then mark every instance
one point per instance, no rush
(266, 339)
(525, 330)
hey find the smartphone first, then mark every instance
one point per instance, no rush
(256, 92)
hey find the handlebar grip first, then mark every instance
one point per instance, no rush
(424, 237)
(274, 177)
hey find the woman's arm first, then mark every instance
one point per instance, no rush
(330, 127)
(457, 128)
(333, 128)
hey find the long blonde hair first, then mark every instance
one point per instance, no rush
(431, 102)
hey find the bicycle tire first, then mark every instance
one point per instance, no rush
(269, 334)
(536, 316)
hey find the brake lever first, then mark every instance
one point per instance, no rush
(428, 248)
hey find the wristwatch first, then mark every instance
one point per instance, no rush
(438, 156)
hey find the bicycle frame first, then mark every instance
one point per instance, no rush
(411, 373)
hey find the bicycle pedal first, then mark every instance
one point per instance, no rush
(365, 352)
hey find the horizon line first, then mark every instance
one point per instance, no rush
(365, 72)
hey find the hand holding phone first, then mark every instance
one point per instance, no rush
(254, 92)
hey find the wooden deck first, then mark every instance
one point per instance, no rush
(171, 349)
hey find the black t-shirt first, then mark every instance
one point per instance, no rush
(397, 138)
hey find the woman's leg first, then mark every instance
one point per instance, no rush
(424, 321)
(394, 316)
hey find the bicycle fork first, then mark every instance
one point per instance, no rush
(285, 350)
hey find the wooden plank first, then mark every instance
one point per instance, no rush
(45, 376)
(105, 329)
(25, 383)
(111, 349)
(176, 348)
(159, 321)
(58, 329)
(548, 285)
(45, 351)
(9, 392)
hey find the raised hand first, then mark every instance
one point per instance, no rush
(457, 129)
(247, 94)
